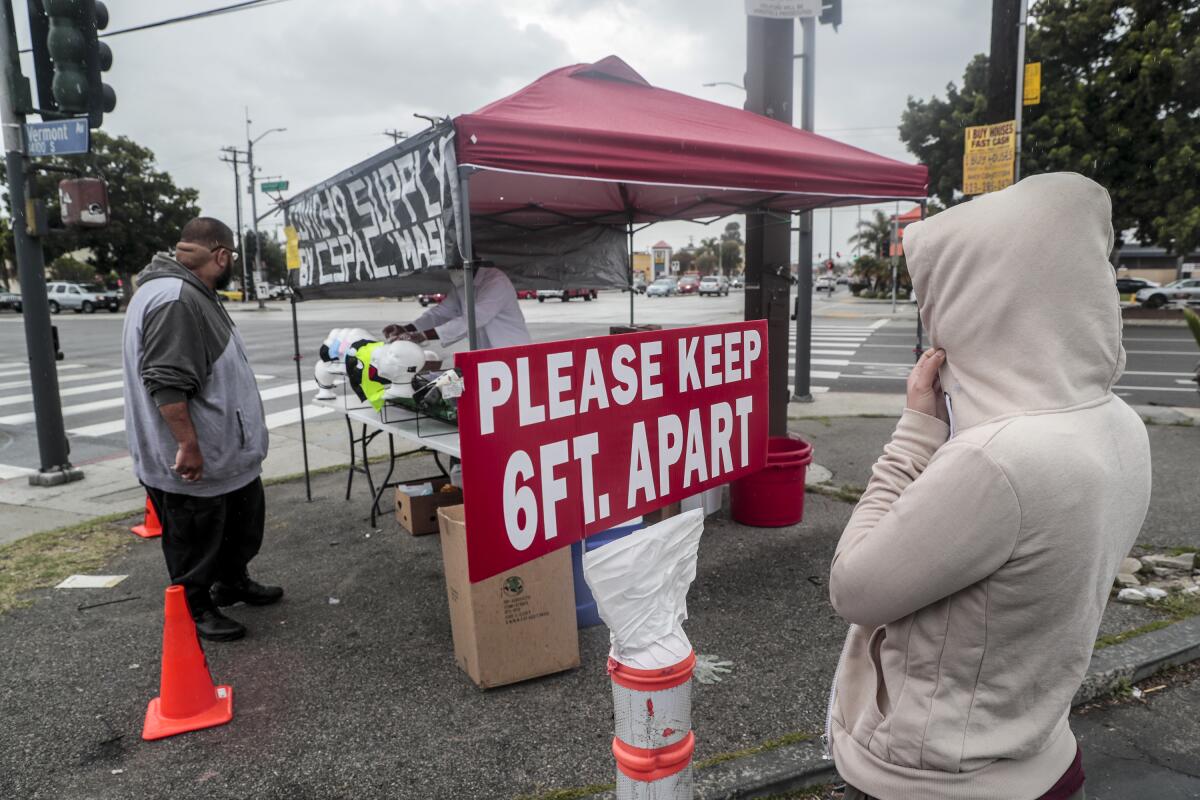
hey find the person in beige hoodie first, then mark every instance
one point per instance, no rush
(976, 567)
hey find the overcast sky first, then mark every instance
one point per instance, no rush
(337, 74)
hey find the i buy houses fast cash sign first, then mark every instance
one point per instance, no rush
(988, 154)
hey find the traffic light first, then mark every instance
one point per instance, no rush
(831, 13)
(69, 59)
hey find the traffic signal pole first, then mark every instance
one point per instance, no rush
(769, 51)
(53, 448)
(802, 391)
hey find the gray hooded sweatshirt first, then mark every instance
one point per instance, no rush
(180, 344)
(978, 563)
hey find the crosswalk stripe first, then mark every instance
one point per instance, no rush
(25, 370)
(67, 411)
(118, 425)
(281, 418)
(107, 373)
(830, 362)
(16, 399)
(8, 472)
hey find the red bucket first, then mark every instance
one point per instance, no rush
(773, 497)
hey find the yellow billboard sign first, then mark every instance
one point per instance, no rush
(293, 247)
(988, 154)
(1033, 84)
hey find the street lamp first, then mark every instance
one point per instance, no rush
(724, 83)
(258, 264)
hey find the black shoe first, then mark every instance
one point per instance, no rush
(214, 626)
(246, 591)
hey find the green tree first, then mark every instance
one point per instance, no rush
(66, 268)
(274, 257)
(731, 248)
(1120, 93)
(147, 209)
(687, 259)
(873, 235)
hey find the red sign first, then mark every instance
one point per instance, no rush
(561, 440)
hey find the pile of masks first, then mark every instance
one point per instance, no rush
(375, 371)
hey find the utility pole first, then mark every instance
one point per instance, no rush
(258, 262)
(804, 282)
(769, 52)
(1020, 88)
(53, 448)
(397, 136)
(1002, 60)
(236, 157)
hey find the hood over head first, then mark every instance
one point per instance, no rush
(1017, 288)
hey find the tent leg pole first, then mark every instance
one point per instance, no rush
(631, 292)
(464, 189)
(920, 348)
(300, 398)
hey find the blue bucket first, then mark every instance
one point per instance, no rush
(586, 615)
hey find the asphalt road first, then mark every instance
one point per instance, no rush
(853, 351)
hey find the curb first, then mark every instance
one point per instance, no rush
(801, 765)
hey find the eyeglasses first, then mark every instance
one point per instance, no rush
(233, 254)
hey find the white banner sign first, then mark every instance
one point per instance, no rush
(783, 9)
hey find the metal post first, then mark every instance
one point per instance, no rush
(237, 196)
(920, 348)
(299, 381)
(895, 248)
(53, 448)
(1021, 24)
(803, 360)
(254, 218)
(770, 48)
(468, 253)
(631, 292)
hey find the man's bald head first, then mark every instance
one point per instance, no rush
(207, 231)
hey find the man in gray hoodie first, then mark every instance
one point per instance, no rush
(195, 425)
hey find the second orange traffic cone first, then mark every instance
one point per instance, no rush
(188, 700)
(151, 527)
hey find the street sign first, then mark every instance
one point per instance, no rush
(274, 186)
(1033, 84)
(783, 9)
(293, 247)
(63, 137)
(988, 155)
(562, 440)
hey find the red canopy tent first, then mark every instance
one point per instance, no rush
(598, 143)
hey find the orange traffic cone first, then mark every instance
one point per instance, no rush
(188, 700)
(151, 527)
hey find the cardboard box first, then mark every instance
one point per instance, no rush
(659, 514)
(513, 626)
(418, 515)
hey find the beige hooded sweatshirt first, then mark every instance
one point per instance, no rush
(977, 565)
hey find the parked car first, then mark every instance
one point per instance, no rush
(1186, 290)
(81, 298)
(688, 284)
(565, 294)
(10, 300)
(714, 284)
(526, 294)
(736, 282)
(639, 285)
(843, 280)
(825, 283)
(663, 287)
(1134, 285)
(432, 298)
(230, 294)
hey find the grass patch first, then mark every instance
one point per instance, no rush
(771, 744)
(1123, 636)
(43, 559)
(846, 492)
(1181, 551)
(811, 793)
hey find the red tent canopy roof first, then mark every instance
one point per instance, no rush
(597, 141)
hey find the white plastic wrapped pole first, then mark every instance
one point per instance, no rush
(640, 585)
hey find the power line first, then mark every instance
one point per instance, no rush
(246, 5)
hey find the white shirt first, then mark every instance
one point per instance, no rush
(498, 317)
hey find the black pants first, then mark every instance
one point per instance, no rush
(209, 539)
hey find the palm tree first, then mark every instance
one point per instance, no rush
(874, 235)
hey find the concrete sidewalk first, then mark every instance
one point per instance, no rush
(348, 688)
